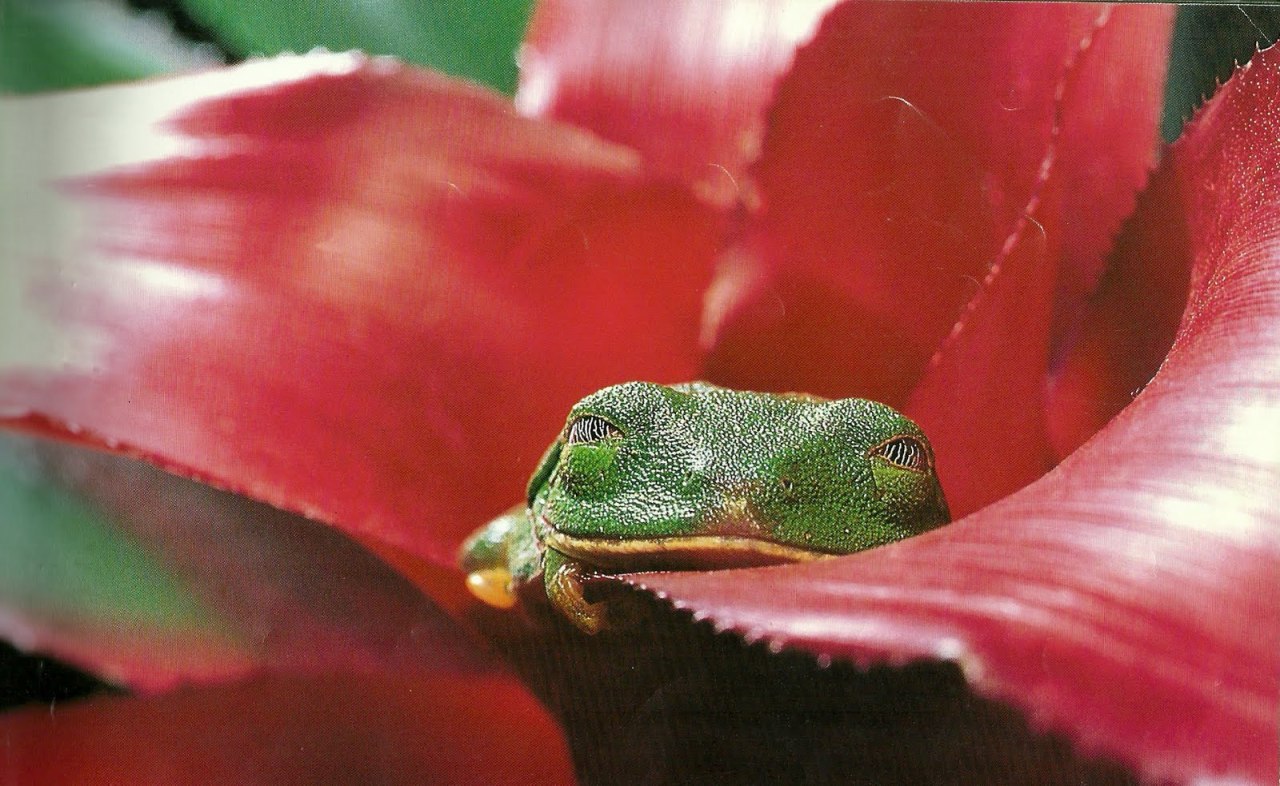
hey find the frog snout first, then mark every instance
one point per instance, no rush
(739, 509)
(729, 483)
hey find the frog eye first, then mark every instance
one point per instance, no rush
(590, 428)
(904, 452)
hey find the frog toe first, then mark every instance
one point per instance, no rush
(492, 586)
(565, 591)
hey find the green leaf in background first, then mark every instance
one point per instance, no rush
(1208, 40)
(476, 39)
(149, 580)
(52, 44)
(66, 564)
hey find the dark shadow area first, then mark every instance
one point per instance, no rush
(1208, 40)
(187, 25)
(666, 702)
(33, 679)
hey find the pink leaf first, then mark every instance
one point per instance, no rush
(345, 287)
(286, 731)
(684, 82)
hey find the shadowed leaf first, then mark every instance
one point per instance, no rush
(150, 581)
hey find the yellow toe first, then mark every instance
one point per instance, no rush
(492, 586)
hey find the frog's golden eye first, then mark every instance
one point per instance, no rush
(590, 428)
(904, 452)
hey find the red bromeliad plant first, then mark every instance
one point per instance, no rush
(368, 294)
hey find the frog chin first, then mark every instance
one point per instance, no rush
(677, 552)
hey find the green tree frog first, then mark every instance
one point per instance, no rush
(695, 476)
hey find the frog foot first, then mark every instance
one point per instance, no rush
(492, 586)
(565, 591)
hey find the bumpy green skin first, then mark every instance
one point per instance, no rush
(723, 466)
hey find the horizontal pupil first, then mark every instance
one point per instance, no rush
(903, 452)
(589, 429)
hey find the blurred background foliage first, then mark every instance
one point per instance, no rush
(57, 44)
(51, 44)
(54, 44)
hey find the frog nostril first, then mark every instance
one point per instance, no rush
(788, 486)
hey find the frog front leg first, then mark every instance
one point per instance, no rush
(501, 557)
(563, 580)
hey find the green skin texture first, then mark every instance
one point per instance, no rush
(696, 476)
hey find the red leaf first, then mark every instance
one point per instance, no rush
(895, 184)
(684, 82)
(285, 731)
(1129, 324)
(151, 581)
(344, 287)
(982, 397)
(1107, 145)
(1129, 597)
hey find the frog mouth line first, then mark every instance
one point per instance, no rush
(702, 552)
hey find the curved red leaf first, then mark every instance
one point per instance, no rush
(283, 731)
(151, 581)
(345, 287)
(1129, 324)
(1107, 145)
(897, 185)
(982, 396)
(684, 82)
(1130, 596)
(903, 147)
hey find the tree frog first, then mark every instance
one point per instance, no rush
(694, 476)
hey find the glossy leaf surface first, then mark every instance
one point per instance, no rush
(685, 83)
(341, 286)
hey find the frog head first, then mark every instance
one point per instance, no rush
(647, 476)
